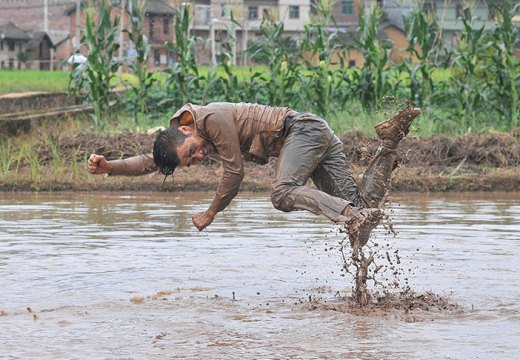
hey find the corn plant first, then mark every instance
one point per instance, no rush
(100, 40)
(422, 43)
(504, 66)
(468, 93)
(321, 83)
(282, 79)
(139, 99)
(183, 80)
(372, 81)
(230, 85)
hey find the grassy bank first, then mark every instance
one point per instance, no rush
(54, 158)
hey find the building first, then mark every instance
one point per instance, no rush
(20, 49)
(40, 48)
(157, 27)
(212, 23)
(13, 42)
(390, 30)
(32, 16)
(448, 15)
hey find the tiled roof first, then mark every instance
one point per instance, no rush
(157, 7)
(37, 38)
(11, 31)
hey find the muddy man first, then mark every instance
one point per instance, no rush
(305, 147)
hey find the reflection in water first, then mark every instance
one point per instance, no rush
(128, 276)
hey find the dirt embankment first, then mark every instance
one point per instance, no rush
(437, 163)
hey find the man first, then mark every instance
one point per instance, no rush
(305, 146)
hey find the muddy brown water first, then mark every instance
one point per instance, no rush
(124, 276)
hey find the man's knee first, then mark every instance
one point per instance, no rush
(281, 197)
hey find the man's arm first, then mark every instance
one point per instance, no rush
(223, 134)
(133, 166)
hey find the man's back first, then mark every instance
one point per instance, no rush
(258, 127)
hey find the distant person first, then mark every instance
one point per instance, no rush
(305, 146)
(78, 62)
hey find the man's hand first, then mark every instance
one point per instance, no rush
(97, 164)
(203, 219)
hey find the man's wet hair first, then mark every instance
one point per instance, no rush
(165, 149)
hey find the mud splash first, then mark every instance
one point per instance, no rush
(391, 294)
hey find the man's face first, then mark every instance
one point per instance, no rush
(193, 150)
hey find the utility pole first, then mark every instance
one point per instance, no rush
(245, 39)
(121, 27)
(234, 44)
(212, 40)
(78, 23)
(46, 30)
(46, 16)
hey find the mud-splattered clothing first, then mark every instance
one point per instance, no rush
(305, 146)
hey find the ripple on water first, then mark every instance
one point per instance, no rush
(128, 277)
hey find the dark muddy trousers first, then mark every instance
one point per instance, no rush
(311, 150)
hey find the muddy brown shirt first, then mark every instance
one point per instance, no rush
(252, 130)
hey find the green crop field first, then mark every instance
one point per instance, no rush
(24, 80)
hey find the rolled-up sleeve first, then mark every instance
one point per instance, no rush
(222, 131)
(134, 166)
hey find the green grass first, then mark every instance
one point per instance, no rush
(14, 81)
(25, 80)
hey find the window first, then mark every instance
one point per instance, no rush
(1, 45)
(429, 7)
(226, 10)
(252, 13)
(347, 7)
(166, 25)
(202, 14)
(351, 63)
(10, 45)
(294, 12)
(156, 57)
(491, 13)
(151, 27)
(171, 58)
(459, 11)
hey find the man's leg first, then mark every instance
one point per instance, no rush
(376, 179)
(333, 176)
(308, 142)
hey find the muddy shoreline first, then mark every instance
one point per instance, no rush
(428, 164)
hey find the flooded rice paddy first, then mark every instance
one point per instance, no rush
(115, 276)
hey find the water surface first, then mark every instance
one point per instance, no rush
(126, 276)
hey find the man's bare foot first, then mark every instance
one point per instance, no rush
(396, 128)
(360, 223)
